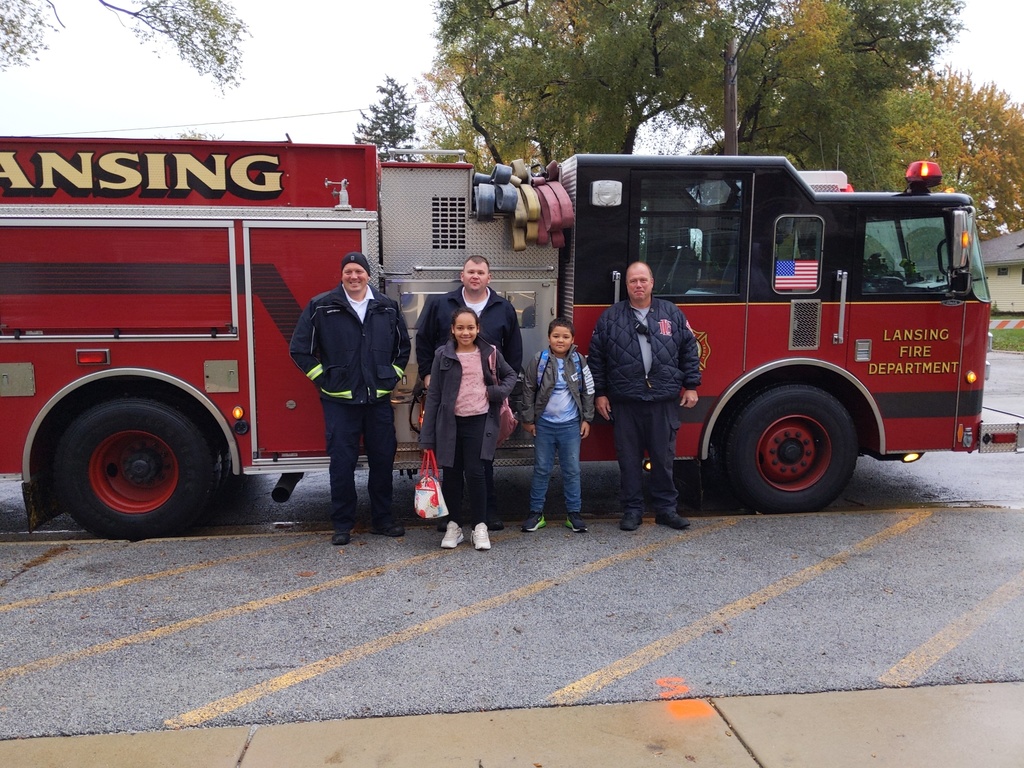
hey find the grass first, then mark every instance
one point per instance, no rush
(1008, 340)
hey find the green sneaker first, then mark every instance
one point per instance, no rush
(575, 522)
(534, 521)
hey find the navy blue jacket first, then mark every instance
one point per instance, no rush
(618, 366)
(349, 361)
(499, 325)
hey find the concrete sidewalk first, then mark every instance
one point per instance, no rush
(951, 726)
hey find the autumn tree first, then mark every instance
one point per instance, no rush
(976, 133)
(206, 34)
(392, 120)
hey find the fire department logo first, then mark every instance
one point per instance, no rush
(704, 346)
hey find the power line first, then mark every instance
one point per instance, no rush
(221, 122)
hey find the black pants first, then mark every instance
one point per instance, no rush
(468, 471)
(345, 424)
(646, 427)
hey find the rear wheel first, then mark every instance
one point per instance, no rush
(791, 449)
(134, 469)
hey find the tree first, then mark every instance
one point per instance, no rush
(977, 136)
(586, 75)
(815, 81)
(205, 33)
(392, 121)
(575, 75)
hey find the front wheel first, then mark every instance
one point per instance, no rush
(791, 449)
(134, 469)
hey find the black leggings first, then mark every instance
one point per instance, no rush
(467, 471)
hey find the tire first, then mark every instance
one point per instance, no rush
(134, 469)
(791, 449)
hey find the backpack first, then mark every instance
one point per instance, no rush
(516, 398)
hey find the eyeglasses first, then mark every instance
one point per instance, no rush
(641, 328)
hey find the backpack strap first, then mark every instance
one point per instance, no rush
(542, 365)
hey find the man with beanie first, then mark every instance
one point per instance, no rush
(353, 344)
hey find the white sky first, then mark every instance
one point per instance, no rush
(309, 69)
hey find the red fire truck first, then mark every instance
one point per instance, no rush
(148, 291)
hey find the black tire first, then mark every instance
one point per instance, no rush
(134, 469)
(791, 449)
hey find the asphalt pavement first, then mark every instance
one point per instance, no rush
(881, 635)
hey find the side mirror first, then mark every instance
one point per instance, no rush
(960, 252)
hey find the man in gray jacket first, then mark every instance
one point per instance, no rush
(646, 363)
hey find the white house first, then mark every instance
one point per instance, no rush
(1004, 268)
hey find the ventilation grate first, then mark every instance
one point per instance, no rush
(448, 223)
(804, 324)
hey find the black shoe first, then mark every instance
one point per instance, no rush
(672, 520)
(496, 525)
(631, 521)
(393, 530)
(341, 538)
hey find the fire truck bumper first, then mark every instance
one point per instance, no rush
(1001, 438)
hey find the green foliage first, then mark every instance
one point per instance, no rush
(814, 83)
(205, 34)
(566, 76)
(392, 121)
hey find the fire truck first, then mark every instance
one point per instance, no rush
(149, 289)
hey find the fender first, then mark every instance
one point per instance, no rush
(197, 395)
(739, 384)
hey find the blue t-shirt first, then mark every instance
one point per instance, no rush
(561, 407)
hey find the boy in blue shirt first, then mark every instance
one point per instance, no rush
(558, 406)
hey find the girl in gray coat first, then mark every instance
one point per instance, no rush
(468, 381)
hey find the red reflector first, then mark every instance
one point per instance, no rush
(1008, 437)
(92, 356)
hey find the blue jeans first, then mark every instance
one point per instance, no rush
(565, 439)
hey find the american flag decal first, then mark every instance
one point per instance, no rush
(796, 275)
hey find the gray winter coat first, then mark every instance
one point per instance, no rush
(438, 430)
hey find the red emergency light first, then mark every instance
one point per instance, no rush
(922, 175)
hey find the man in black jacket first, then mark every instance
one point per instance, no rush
(646, 363)
(499, 326)
(353, 344)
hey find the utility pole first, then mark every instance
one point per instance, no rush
(731, 130)
(731, 55)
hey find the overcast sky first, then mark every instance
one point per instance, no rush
(309, 69)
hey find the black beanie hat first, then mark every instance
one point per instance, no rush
(355, 257)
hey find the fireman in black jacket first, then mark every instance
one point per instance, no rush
(353, 344)
(646, 363)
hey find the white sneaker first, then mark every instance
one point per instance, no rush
(453, 536)
(480, 538)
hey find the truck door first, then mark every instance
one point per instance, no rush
(288, 263)
(905, 339)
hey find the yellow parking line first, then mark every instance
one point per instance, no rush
(575, 692)
(198, 621)
(309, 671)
(30, 601)
(919, 661)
